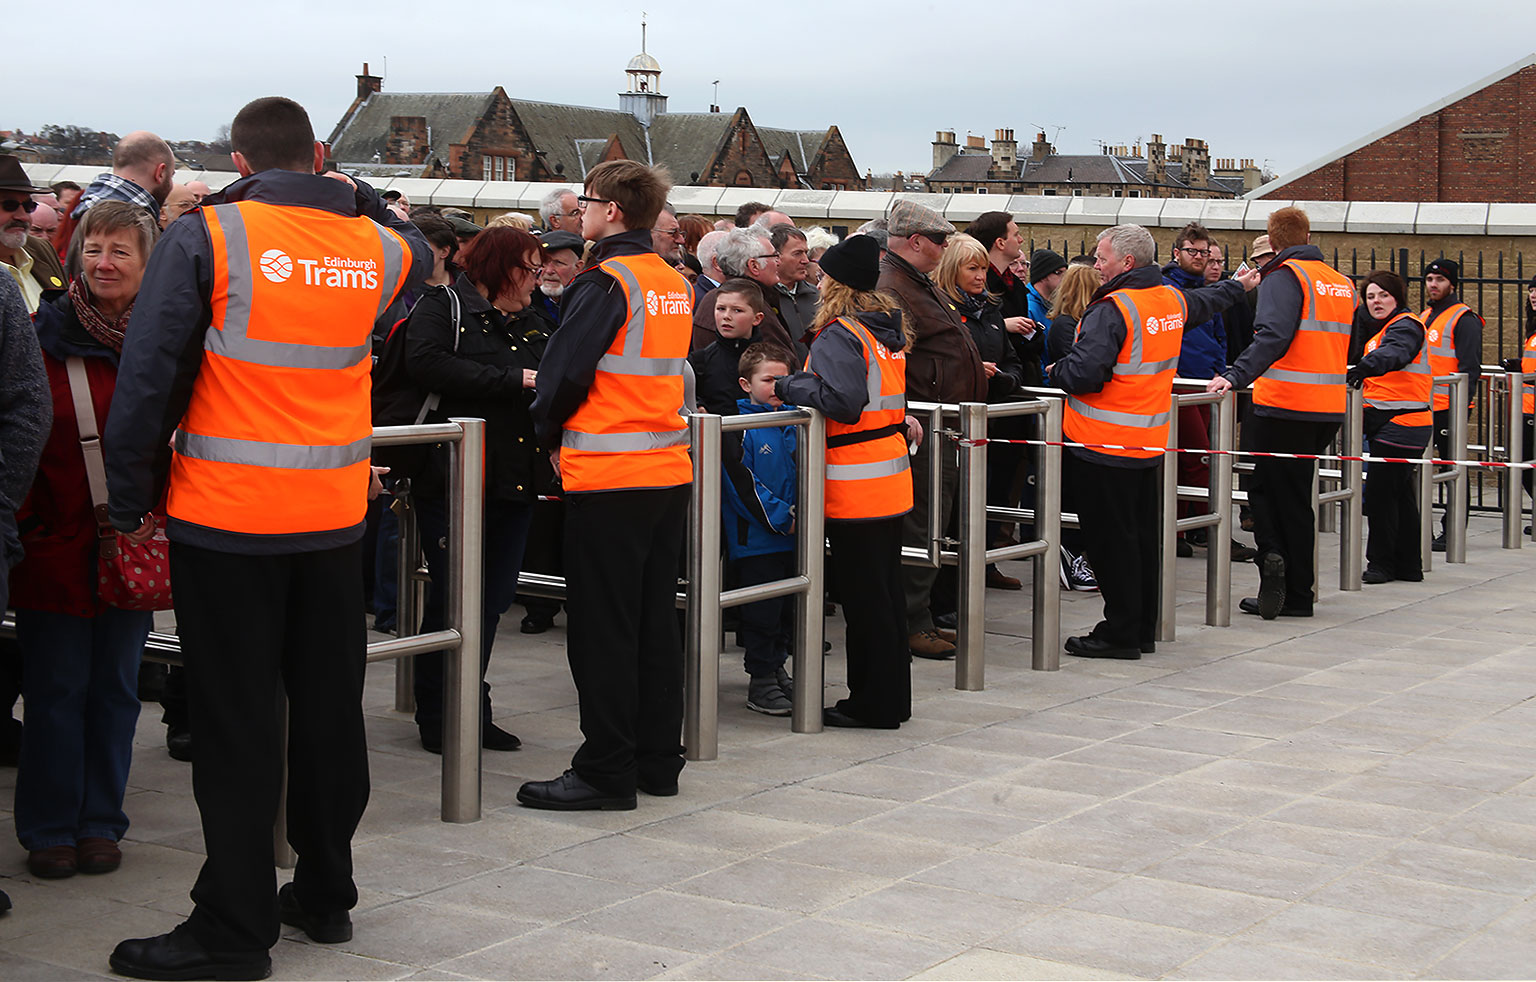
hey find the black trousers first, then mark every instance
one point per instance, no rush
(767, 626)
(622, 550)
(546, 538)
(1528, 438)
(1280, 497)
(869, 584)
(1442, 419)
(252, 628)
(1391, 505)
(1117, 507)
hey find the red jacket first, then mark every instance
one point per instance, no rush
(58, 531)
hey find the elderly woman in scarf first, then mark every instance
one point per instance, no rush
(80, 657)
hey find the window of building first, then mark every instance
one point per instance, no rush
(1117, 193)
(486, 162)
(1135, 194)
(1077, 192)
(501, 164)
(1049, 192)
(981, 190)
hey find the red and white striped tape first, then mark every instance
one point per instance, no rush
(1364, 458)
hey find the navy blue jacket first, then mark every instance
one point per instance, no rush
(163, 353)
(1204, 351)
(758, 500)
(1275, 321)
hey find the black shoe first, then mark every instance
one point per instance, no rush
(832, 716)
(1250, 605)
(5, 902)
(1374, 575)
(1417, 576)
(1271, 585)
(1438, 544)
(535, 625)
(1183, 549)
(1242, 553)
(1088, 646)
(1196, 537)
(178, 742)
(432, 741)
(659, 790)
(949, 621)
(1149, 647)
(569, 792)
(10, 742)
(493, 737)
(333, 928)
(178, 956)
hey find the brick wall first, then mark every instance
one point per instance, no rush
(742, 161)
(499, 134)
(833, 165)
(1480, 148)
(407, 143)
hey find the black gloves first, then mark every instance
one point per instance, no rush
(1354, 378)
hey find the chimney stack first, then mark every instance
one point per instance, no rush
(1197, 163)
(368, 84)
(1005, 152)
(1157, 163)
(1041, 149)
(944, 147)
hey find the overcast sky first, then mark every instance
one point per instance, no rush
(1283, 83)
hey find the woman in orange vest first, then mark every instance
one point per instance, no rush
(1395, 375)
(1526, 365)
(856, 375)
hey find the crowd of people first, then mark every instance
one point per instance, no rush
(227, 355)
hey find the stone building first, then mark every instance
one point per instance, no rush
(1116, 172)
(1478, 144)
(491, 136)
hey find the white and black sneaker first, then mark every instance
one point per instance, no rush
(1076, 574)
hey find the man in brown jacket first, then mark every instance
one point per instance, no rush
(943, 365)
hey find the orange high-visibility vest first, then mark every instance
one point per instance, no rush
(630, 432)
(868, 473)
(1406, 389)
(1134, 407)
(1528, 369)
(1440, 339)
(1309, 377)
(276, 437)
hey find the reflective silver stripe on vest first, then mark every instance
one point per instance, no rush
(1135, 330)
(635, 442)
(1303, 378)
(394, 264)
(1117, 418)
(228, 450)
(1323, 327)
(865, 472)
(631, 361)
(1147, 368)
(232, 341)
(1382, 404)
(874, 379)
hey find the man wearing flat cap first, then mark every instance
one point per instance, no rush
(29, 260)
(943, 365)
(1454, 334)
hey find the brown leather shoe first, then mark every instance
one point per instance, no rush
(953, 637)
(53, 863)
(998, 580)
(929, 644)
(98, 855)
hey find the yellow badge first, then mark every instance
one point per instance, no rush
(56, 281)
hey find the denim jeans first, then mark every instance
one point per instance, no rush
(386, 562)
(79, 678)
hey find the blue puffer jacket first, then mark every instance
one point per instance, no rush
(1204, 352)
(758, 499)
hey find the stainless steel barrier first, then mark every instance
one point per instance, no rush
(1217, 519)
(706, 599)
(931, 415)
(972, 555)
(1514, 453)
(1457, 477)
(1351, 478)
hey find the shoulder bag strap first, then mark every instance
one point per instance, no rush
(90, 440)
(430, 402)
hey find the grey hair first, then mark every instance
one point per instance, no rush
(1133, 241)
(550, 206)
(740, 246)
(817, 237)
(708, 244)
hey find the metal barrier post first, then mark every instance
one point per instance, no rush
(1514, 452)
(407, 610)
(1045, 618)
(970, 654)
(1456, 528)
(931, 553)
(1352, 528)
(461, 668)
(1168, 535)
(283, 856)
(701, 708)
(1426, 480)
(1218, 537)
(1317, 514)
(811, 545)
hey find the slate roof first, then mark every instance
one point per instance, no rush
(1080, 168)
(801, 144)
(685, 142)
(963, 167)
(574, 136)
(450, 115)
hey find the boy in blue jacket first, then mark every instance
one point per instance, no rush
(758, 508)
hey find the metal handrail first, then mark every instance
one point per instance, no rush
(1218, 495)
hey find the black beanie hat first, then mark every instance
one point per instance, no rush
(1043, 263)
(854, 262)
(1447, 268)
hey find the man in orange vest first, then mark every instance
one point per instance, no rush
(250, 341)
(1453, 332)
(611, 398)
(1119, 383)
(1297, 364)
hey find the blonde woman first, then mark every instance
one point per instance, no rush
(1067, 305)
(511, 219)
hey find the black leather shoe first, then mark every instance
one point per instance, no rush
(177, 956)
(832, 716)
(332, 928)
(178, 742)
(1271, 585)
(949, 621)
(1183, 549)
(535, 625)
(1250, 605)
(1149, 647)
(493, 737)
(568, 793)
(1437, 544)
(1088, 646)
(1375, 575)
(659, 790)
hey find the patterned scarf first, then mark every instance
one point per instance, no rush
(96, 324)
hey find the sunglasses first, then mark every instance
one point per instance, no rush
(11, 204)
(939, 239)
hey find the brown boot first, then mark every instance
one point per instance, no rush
(998, 580)
(930, 644)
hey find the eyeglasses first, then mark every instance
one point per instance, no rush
(677, 233)
(939, 239)
(582, 201)
(1197, 252)
(574, 212)
(535, 270)
(11, 204)
(766, 256)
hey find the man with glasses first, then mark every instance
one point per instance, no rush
(30, 261)
(667, 236)
(561, 211)
(746, 252)
(943, 365)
